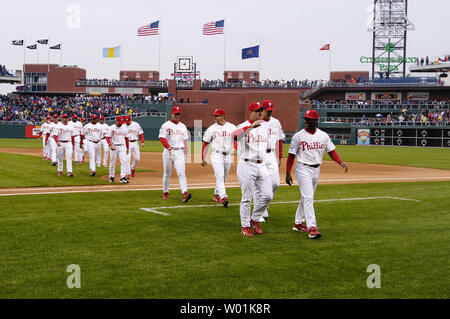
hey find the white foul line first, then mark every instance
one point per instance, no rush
(156, 209)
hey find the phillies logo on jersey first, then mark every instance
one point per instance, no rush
(216, 134)
(256, 138)
(272, 131)
(312, 146)
(174, 132)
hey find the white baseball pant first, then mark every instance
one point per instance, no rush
(53, 147)
(221, 165)
(179, 164)
(46, 148)
(272, 166)
(135, 152)
(77, 150)
(121, 151)
(254, 179)
(85, 149)
(105, 147)
(94, 150)
(307, 178)
(66, 149)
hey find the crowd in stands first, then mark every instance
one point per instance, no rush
(4, 71)
(438, 60)
(396, 104)
(404, 118)
(260, 84)
(116, 83)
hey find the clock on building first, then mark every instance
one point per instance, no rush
(184, 64)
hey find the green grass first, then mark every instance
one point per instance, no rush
(18, 170)
(125, 252)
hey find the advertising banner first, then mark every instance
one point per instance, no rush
(363, 136)
(355, 96)
(32, 131)
(386, 96)
(418, 96)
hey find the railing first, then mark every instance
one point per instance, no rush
(286, 85)
(439, 106)
(374, 121)
(114, 83)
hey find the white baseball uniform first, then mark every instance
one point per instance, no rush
(134, 130)
(45, 128)
(254, 176)
(275, 135)
(77, 128)
(52, 142)
(221, 150)
(118, 135)
(64, 133)
(309, 149)
(176, 134)
(105, 146)
(93, 135)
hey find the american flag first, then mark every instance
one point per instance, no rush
(149, 29)
(215, 27)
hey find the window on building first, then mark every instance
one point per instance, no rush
(138, 75)
(252, 75)
(229, 75)
(241, 75)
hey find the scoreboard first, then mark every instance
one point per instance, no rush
(422, 137)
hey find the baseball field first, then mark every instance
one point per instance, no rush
(391, 210)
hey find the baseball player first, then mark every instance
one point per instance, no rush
(309, 145)
(104, 144)
(63, 134)
(92, 132)
(45, 128)
(49, 137)
(117, 139)
(254, 176)
(174, 137)
(84, 147)
(135, 133)
(219, 135)
(77, 127)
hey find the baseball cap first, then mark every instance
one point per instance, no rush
(219, 112)
(120, 119)
(102, 117)
(65, 115)
(94, 116)
(255, 106)
(48, 117)
(176, 109)
(268, 105)
(75, 116)
(312, 114)
(127, 119)
(55, 116)
(83, 119)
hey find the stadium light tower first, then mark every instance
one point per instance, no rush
(389, 26)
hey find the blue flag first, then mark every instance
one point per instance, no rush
(252, 52)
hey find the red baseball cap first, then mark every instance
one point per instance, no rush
(102, 117)
(312, 114)
(176, 109)
(94, 116)
(219, 112)
(255, 106)
(75, 116)
(120, 119)
(127, 119)
(55, 116)
(83, 119)
(268, 105)
(48, 117)
(65, 115)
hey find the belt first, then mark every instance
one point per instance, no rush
(253, 161)
(177, 148)
(64, 141)
(93, 141)
(223, 153)
(133, 140)
(103, 138)
(118, 144)
(269, 151)
(315, 165)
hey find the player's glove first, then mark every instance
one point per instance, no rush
(289, 179)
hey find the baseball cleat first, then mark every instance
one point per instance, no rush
(255, 227)
(44, 158)
(76, 163)
(104, 165)
(186, 197)
(111, 179)
(53, 163)
(124, 180)
(70, 174)
(92, 173)
(314, 233)
(166, 196)
(265, 214)
(300, 227)
(225, 202)
(217, 199)
(262, 220)
(247, 231)
(128, 177)
(60, 173)
(133, 172)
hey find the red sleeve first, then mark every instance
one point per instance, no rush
(142, 138)
(55, 138)
(81, 137)
(127, 142)
(235, 145)
(108, 140)
(289, 163)
(204, 149)
(164, 142)
(46, 137)
(335, 156)
(280, 149)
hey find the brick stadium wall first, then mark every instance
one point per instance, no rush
(60, 79)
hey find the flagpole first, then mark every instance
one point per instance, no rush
(60, 49)
(48, 56)
(23, 64)
(121, 56)
(37, 50)
(224, 47)
(259, 62)
(329, 61)
(159, 48)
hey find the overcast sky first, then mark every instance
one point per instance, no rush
(290, 34)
